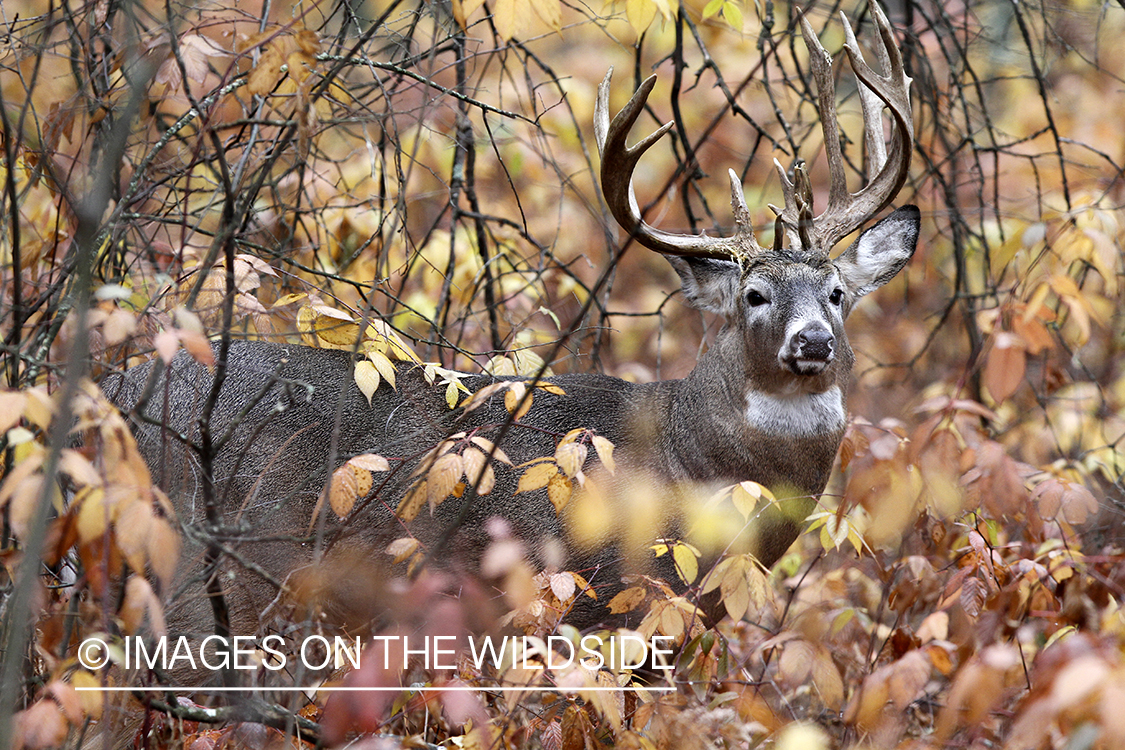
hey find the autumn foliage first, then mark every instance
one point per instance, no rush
(416, 182)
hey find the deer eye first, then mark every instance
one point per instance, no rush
(755, 298)
(837, 296)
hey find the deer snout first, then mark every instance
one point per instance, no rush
(810, 349)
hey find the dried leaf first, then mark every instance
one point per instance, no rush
(563, 586)
(1004, 370)
(342, 491)
(412, 501)
(537, 476)
(402, 548)
(604, 449)
(367, 378)
(371, 462)
(559, 490)
(570, 457)
(627, 600)
(443, 476)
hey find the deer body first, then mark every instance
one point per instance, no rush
(766, 402)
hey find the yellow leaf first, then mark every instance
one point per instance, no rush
(412, 502)
(367, 378)
(265, 74)
(686, 559)
(363, 480)
(443, 476)
(514, 399)
(640, 14)
(572, 435)
(604, 449)
(488, 447)
(91, 699)
(551, 14)
(570, 457)
(745, 497)
(474, 462)
(505, 15)
(559, 489)
(336, 330)
(487, 481)
(537, 476)
(384, 365)
(93, 515)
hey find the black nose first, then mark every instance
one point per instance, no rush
(815, 343)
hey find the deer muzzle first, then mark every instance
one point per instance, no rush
(809, 350)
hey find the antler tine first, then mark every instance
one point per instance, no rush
(618, 162)
(887, 170)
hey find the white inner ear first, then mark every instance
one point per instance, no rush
(881, 248)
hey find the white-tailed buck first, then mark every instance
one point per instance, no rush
(766, 402)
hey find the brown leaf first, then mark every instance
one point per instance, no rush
(141, 600)
(1005, 366)
(343, 491)
(41, 726)
(627, 600)
(266, 73)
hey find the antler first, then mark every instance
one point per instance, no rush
(886, 172)
(618, 162)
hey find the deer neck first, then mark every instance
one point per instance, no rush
(723, 423)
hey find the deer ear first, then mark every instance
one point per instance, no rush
(880, 252)
(708, 284)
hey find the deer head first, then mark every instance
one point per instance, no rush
(787, 303)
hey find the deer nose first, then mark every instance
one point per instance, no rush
(816, 343)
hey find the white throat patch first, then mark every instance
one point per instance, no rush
(798, 415)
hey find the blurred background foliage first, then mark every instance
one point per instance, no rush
(431, 166)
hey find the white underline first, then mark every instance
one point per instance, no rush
(354, 689)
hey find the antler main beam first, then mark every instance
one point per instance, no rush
(618, 162)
